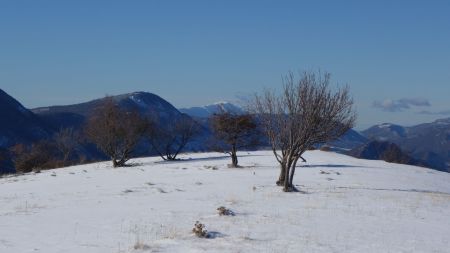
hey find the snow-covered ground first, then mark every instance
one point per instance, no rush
(348, 205)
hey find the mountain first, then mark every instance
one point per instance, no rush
(350, 140)
(19, 125)
(385, 131)
(346, 205)
(429, 142)
(386, 151)
(208, 110)
(145, 103)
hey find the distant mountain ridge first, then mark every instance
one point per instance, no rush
(208, 110)
(385, 131)
(144, 102)
(350, 140)
(429, 142)
(387, 151)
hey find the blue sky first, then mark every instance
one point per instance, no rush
(394, 55)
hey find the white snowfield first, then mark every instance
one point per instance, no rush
(347, 205)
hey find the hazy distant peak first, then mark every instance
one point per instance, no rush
(445, 121)
(208, 110)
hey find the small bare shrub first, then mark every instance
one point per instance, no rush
(225, 211)
(141, 246)
(40, 155)
(210, 167)
(199, 230)
(325, 148)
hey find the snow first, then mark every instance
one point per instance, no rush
(346, 205)
(384, 125)
(136, 99)
(220, 103)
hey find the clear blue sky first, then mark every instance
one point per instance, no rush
(395, 55)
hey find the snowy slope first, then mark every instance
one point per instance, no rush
(352, 206)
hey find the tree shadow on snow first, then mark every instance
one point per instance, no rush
(193, 159)
(330, 166)
(214, 235)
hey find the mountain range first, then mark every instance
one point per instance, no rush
(429, 142)
(425, 143)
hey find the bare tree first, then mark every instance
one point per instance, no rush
(66, 140)
(115, 131)
(307, 112)
(233, 132)
(169, 139)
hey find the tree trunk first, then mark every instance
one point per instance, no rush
(291, 177)
(284, 173)
(170, 158)
(114, 161)
(286, 185)
(281, 178)
(234, 158)
(119, 163)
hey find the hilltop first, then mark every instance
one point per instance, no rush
(346, 205)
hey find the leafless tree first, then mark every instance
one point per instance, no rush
(307, 112)
(66, 141)
(115, 131)
(169, 139)
(233, 132)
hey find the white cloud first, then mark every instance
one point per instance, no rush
(390, 105)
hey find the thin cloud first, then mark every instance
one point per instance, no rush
(390, 105)
(444, 113)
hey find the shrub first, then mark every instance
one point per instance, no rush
(225, 211)
(325, 148)
(40, 155)
(199, 230)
